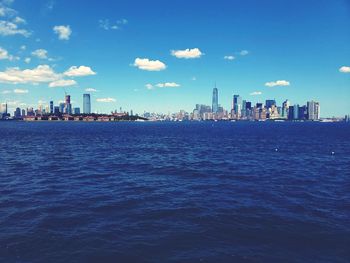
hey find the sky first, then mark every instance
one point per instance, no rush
(165, 56)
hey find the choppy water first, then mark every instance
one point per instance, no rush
(174, 192)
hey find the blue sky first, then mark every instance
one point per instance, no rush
(164, 56)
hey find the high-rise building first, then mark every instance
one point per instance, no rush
(51, 107)
(237, 105)
(23, 112)
(86, 104)
(296, 111)
(285, 109)
(215, 101)
(56, 110)
(17, 113)
(313, 110)
(68, 105)
(61, 107)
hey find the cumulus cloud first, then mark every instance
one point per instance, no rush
(81, 71)
(40, 53)
(256, 93)
(20, 91)
(229, 57)
(277, 83)
(149, 86)
(62, 83)
(9, 28)
(5, 55)
(149, 65)
(63, 32)
(344, 69)
(40, 74)
(106, 100)
(27, 60)
(90, 90)
(187, 53)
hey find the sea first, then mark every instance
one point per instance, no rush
(174, 192)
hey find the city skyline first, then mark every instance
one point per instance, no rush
(155, 61)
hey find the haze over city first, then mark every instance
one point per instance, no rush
(162, 56)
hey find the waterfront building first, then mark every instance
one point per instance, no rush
(17, 113)
(86, 104)
(237, 106)
(23, 112)
(302, 113)
(295, 112)
(285, 109)
(76, 111)
(313, 110)
(61, 107)
(67, 105)
(56, 110)
(215, 101)
(51, 107)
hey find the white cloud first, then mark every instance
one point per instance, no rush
(90, 90)
(40, 74)
(5, 55)
(81, 71)
(40, 53)
(256, 93)
(229, 57)
(149, 86)
(244, 52)
(62, 83)
(107, 25)
(23, 47)
(106, 100)
(63, 32)
(20, 91)
(168, 85)
(27, 60)
(149, 65)
(19, 20)
(277, 83)
(8, 29)
(6, 92)
(187, 53)
(162, 85)
(344, 69)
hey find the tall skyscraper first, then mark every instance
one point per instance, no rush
(86, 104)
(51, 107)
(269, 103)
(313, 110)
(215, 101)
(285, 109)
(68, 105)
(296, 112)
(237, 105)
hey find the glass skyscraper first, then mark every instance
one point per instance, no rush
(86, 104)
(215, 102)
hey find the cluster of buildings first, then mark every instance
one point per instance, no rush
(245, 110)
(63, 108)
(240, 110)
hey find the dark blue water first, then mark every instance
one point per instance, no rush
(174, 192)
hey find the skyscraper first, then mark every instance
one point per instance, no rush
(86, 104)
(68, 105)
(51, 107)
(237, 105)
(313, 110)
(215, 101)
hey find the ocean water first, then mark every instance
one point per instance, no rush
(174, 192)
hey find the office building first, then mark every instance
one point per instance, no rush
(215, 101)
(86, 104)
